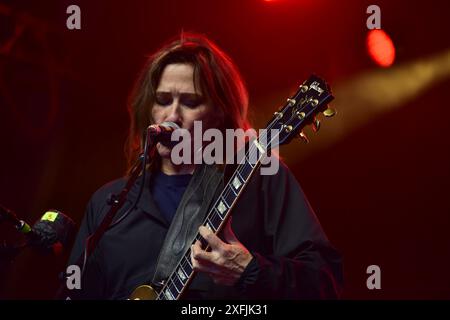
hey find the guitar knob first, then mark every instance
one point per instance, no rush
(303, 137)
(316, 125)
(329, 112)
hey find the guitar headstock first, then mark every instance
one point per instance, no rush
(310, 99)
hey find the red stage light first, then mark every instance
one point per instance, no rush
(380, 47)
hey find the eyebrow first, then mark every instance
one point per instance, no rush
(184, 94)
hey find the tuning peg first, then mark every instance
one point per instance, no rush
(303, 88)
(303, 137)
(291, 102)
(329, 112)
(316, 124)
(278, 115)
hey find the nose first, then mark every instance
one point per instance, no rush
(174, 113)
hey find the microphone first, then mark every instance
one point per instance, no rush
(162, 132)
(52, 232)
(163, 129)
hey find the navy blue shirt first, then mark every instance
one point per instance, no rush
(167, 191)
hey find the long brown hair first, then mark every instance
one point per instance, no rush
(214, 71)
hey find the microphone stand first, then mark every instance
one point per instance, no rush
(9, 251)
(116, 202)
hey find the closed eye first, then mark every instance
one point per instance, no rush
(163, 98)
(191, 100)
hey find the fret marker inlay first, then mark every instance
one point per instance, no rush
(221, 207)
(236, 183)
(168, 294)
(181, 275)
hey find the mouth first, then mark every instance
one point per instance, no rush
(168, 143)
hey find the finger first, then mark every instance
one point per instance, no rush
(207, 267)
(196, 247)
(198, 253)
(228, 233)
(213, 241)
(198, 244)
(193, 261)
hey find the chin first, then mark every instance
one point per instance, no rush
(163, 151)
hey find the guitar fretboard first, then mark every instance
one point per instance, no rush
(179, 279)
(310, 97)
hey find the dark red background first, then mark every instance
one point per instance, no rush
(380, 192)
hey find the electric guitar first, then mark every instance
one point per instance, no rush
(311, 98)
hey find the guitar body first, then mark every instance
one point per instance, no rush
(144, 292)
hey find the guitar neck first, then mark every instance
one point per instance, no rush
(311, 98)
(215, 219)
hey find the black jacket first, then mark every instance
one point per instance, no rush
(292, 257)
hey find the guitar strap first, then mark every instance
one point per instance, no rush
(205, 185)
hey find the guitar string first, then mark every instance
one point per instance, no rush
(184, 260)
(183, 263)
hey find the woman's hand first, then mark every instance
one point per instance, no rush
(226, 261)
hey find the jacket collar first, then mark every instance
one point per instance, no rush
(198, 197)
